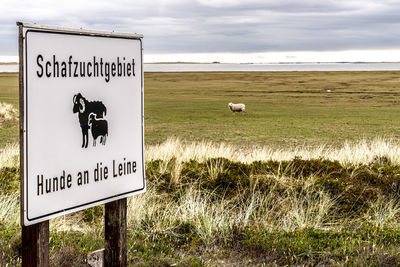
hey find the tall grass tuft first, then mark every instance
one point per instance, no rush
(9, 209)
(215, 168)
(7, 112)
(10, 236)
(9, 156)
(309, 209)
(384, 213)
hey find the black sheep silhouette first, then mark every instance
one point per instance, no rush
(84, 108)
(99, 127)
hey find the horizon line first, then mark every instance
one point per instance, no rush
(288, 57)
(250, 63)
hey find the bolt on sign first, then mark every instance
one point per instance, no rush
(82, 136)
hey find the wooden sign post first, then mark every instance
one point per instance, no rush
(115, 253)
(35, 245)
(81, 131)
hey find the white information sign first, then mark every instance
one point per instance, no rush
(83, 121)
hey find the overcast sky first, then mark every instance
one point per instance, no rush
(220, 26)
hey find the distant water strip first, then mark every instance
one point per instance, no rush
(272, 67)
(257, 67)
(9, 68)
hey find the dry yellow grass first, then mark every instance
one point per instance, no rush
(361, 152)
(7, 112)
(310, 209)
(9, 209)
(9, 155)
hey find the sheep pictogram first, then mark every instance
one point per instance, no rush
(84, 108)
(98, 127)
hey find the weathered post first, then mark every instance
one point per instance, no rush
(115, 233)
(35, 245)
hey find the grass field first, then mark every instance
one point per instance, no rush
(305, 177)
(8, 95)
(283, 108)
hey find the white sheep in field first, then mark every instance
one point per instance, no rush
(237, 107)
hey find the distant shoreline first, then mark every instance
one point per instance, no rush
(179, 62)
(226, 67)
(273, 63)
(248, 63)
(8, 63)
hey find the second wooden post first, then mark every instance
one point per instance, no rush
(115, 253)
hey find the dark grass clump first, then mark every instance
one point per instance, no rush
(10, 245)
(93, 215)
(367, 245)
(9, 180)
(71, 248)
(352, 187)
(164, 249)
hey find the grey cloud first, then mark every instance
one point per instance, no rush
(230, 25)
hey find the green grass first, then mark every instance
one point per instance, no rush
(9, 88)
(9, 94)
(283, 108)
(366, 246)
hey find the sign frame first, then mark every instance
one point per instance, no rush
(26, 28)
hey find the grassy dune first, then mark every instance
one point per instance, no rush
(302, 179)
(203, 207)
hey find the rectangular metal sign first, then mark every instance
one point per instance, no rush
(82, 123)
